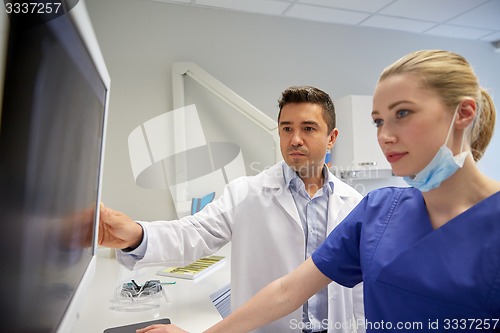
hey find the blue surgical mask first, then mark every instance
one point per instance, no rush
(440, 168)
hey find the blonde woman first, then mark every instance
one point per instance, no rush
(429, 254)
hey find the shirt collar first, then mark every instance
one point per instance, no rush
(290, 175)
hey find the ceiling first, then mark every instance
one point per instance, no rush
(469, 19)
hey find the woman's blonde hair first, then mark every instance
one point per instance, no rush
(453, 79)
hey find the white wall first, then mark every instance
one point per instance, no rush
(256, 56)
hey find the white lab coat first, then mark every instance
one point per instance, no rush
(259, 216)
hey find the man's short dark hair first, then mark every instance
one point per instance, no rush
(309, 94)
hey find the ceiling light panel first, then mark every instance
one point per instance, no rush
(484, 16)
(325, 14)
(369, 6)
(430, 10)
(269, 7)
(387, 22)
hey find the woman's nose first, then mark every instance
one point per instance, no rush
(385, 135)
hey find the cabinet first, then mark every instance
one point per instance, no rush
(356, 154)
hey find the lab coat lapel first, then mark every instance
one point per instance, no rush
(335, 206)
(275, 184)
(285, 199)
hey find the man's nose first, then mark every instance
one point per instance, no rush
(297, 140)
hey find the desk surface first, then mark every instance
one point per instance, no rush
(189, 305)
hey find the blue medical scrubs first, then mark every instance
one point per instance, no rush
(417, 279)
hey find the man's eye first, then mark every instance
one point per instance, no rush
(309, 129)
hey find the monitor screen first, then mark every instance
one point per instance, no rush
(51, 148)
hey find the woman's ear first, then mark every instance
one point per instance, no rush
(466, 113)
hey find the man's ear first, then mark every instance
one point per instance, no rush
(332, 137)
(466, 113)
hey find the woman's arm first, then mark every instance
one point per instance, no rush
(276, 300)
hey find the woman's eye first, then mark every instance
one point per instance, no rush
(378, 122)
(402, 113)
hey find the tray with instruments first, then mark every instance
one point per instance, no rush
(195, 269)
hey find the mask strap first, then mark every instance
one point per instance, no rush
(463, 141)
(451, 127)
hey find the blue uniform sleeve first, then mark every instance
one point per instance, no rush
(339, 256)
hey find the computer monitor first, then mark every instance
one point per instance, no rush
(52, 134)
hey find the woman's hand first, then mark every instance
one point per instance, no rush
(169, 328)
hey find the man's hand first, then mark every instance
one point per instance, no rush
(117, 230)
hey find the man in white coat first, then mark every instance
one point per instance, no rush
(275, 220)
